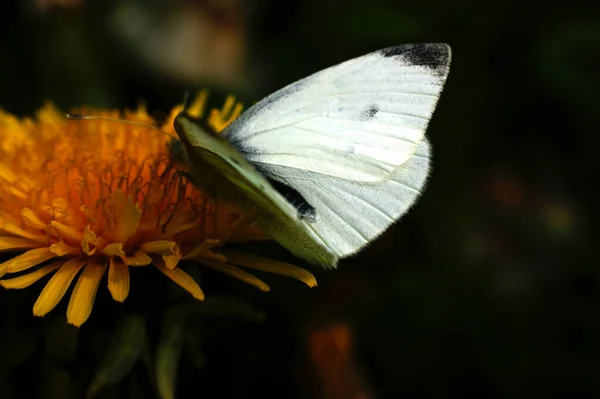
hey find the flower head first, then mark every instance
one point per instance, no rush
(84, 198)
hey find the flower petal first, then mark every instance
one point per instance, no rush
(181, 278)
(67, 232)
(139, 258)
(26, 280)
(240, 227)
(62, 249)
(164, 247)
(271, 266)
(118, 280)
(89, 237)
(173, 228)
(17, 231)
(203, 249)
(13, 243)
(27, 260)
(57, 286)
(236, 273)
(220, 119)
(84, 293)
(127, 215)
(31, 219)
(114, 249)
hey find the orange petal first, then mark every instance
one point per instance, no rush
(57, 286)
(240, 227)
(13, 243)
(114, 249)
(127, 215)
(161, 247)
(67, 232)
(219, 120)
(139, 258)
(196, 108)
(7, 175)
(182, 279)
(31, 219)
(174, 228)
(171, 261)
(118, 280)
(236, 273)
(84, 293)
(62, 249)
(26, 280)
(27, 260)
(271, 266)
(89, 237)
(204, 248)
(17, 231)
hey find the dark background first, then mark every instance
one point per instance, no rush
(488, 287)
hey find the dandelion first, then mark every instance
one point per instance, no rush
(83, 199)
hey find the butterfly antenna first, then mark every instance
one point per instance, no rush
(104, 118)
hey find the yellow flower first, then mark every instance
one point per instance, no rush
(79, 198)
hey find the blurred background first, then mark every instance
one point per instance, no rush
(489, 287)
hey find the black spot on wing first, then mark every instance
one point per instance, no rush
(305, 210)
(434, 56)
(372, 110)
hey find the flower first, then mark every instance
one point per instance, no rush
(85, 198)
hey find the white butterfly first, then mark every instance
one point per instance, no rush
(332, 160)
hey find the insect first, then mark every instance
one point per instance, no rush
(331, 161)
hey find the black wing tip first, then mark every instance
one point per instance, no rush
(435, 56)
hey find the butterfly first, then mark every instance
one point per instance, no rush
(331, 161)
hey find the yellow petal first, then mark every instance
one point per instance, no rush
(161, 247)
(271, 266)
(182, 279)
(171, 261)
(127, 215)
(89, 237)
(17, 231)
(139, 258)
(173, 228)
(196, 108)
(26, 280)
(7, 175)
(13, 243)
(67, 232)
(114, 249)
(57, 286)
(236, 273)
(62, 249)
(27, 260)
(31, 219)
(84, 293)
(202, 249)
(118, 280)
(219, 120)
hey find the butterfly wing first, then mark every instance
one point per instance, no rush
(217, 168)
(350, 140)
(358, 120)
(350, 215)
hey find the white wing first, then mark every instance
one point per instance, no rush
(350, 214)
(351, 141)
(358, 120)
